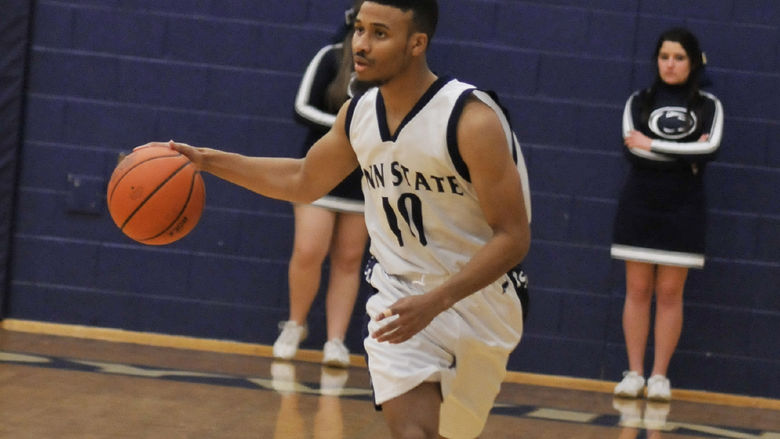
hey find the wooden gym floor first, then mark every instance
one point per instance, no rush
(111, 384)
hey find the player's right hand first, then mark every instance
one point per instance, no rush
(194, 154)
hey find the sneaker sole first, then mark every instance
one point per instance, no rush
(335, 363)
(657, 398)
(282, 357)
(627, 395)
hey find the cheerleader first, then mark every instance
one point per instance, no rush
(670, 130)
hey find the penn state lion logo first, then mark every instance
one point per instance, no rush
(672, 123)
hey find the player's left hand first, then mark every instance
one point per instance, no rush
(412, 315)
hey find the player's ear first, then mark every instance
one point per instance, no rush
(419, 43)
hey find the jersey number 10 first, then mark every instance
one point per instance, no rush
(409, 207)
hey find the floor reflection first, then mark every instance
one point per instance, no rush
(641, 419)
(97, 389)
(328, 421)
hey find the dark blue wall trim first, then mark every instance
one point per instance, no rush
(14, 28)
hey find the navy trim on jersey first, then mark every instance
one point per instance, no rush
(381, 113)
(519, 281)
(452, 132)
(515, 145)
(350, 113)
(452, 135)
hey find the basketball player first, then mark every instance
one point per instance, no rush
(447, 210)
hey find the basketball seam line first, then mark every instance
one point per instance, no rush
(183, 207)
(111, 196)
(159, 186)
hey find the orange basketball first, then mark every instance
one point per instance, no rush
(155, 195)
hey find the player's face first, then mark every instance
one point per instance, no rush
(381, 44)
(674, 65)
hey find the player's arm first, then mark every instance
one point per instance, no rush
(498, 185)
(483, 146)
(328, 162)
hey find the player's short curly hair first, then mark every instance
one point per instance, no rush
(425, 13)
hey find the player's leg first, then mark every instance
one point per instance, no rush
(470, 393)
(346, 256)
(415, 414)
(636, 312)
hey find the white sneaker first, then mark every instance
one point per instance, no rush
(659, 389)
(335, 354)
(631, 386)
(286, 344)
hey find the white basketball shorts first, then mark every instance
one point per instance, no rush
(465, 349)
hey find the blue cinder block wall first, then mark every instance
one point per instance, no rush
(106, 75)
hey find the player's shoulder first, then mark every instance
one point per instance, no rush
(477, 114)
(476, 110)
(479, 130)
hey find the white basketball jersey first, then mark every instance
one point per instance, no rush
(421, 210)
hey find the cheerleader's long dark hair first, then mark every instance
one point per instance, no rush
(690, 43)
(336, 93)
